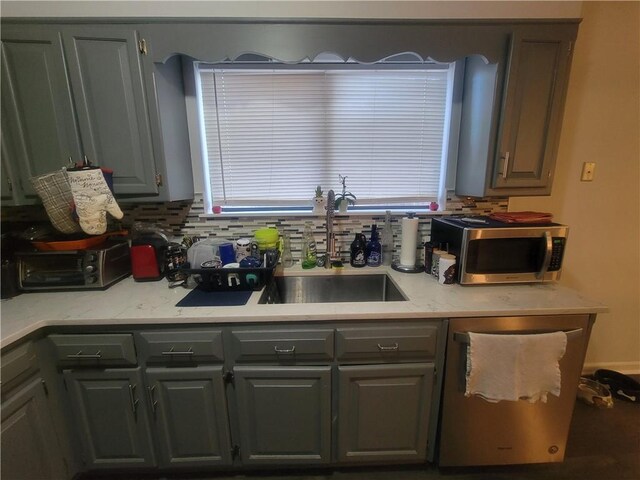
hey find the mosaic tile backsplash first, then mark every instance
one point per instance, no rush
(185, 218)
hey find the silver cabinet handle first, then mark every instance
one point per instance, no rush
(98, 354)
(505, 165)
(390, 348)
(172, 351)
(154, 402)
(134, 401)
(284, 350)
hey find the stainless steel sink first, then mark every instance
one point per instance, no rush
(332, 288)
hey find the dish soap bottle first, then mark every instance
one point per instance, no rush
(358, 251)
(309, 254)
(287, 258)
(374, 249)
(387, 241)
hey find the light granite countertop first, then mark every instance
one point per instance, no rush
(148, 303)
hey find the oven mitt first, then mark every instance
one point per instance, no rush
(93, 200)
(55, 192)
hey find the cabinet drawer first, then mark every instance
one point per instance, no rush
(17, 364)
(282, 345)
(93, 350)
(176, 347)
(386, 343)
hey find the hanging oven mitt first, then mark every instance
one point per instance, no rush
(93, 200)
(55, 192)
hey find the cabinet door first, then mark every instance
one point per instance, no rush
(105, 69)
(37, 113)
(110, 416)
(532, 114)
(383, 412)
(284, 414)
(29, 443)
(190, 415)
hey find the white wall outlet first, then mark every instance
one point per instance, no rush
(587, 171)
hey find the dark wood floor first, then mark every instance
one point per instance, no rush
(602, 445)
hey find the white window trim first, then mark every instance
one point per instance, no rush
(200, 175)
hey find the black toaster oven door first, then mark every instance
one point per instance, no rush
(51, 270)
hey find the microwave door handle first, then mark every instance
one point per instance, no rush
(547, 255)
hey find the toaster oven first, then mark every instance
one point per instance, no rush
(93, 268)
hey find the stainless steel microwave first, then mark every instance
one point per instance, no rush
(489, 251)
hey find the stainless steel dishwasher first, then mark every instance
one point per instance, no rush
(476, 432)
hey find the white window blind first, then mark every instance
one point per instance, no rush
(272, 135)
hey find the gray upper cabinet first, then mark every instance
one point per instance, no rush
(105, 70)
(532, 114)
(37, 113)
(511, 117)
(190, 415)
(70, 91)
(110, 417)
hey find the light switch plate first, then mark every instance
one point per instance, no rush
(587, 171)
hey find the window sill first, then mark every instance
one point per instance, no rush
(371, 213)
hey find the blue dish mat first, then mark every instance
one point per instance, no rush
(200, 298)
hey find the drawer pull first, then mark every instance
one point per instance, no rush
(285, 350)
(98, 354)
(173, 352)
(391, 348)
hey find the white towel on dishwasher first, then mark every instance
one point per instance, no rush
(514, 367)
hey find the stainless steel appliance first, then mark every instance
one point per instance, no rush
(96, 267)
(474, 431)
(490, 251)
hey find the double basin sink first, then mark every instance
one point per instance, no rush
(332, 288)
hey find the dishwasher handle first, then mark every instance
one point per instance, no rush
(463, 337)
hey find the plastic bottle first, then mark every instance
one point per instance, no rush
(287, 258)
(309, 254)
(374, 249)
(387, 241)
(358, 251)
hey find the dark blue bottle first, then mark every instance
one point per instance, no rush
(358, 251)
(374, 249)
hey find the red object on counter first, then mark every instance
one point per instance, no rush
(144, 263)
(522, 217)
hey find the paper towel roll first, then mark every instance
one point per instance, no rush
(409, 242)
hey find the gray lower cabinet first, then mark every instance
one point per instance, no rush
(383, 412)
(110, 417)
(30, 448)
(284, 414)
(190, 418)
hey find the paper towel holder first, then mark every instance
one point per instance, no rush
(404, 269)
(397, 265)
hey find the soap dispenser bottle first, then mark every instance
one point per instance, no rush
(309, 253)
(374, 249)
(358, 251)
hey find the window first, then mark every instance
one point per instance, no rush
(273, 132)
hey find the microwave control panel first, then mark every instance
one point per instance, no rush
(557, 251)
